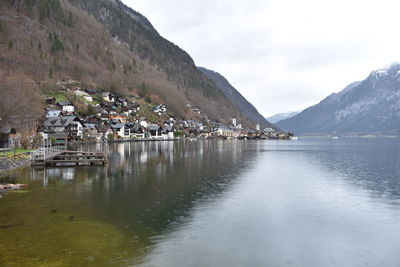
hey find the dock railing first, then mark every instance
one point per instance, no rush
(41, 153)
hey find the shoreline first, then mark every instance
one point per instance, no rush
(13, 163)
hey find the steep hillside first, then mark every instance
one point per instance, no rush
(107, 45)
(371, 106)
(282, 116)
(244, 106)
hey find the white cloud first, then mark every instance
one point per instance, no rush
(281, 55)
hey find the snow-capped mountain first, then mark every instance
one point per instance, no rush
(282, 116)
(371, 106)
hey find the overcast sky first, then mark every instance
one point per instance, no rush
(282, 55)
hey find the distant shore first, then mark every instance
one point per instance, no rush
(346, 136)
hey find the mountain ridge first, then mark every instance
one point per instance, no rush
(235, 96)
(371, 106)
(104, 44)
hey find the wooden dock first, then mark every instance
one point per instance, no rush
(70, 158)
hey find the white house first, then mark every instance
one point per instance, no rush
(121, 130)
(66, 106)
(107, 96)
(143, 123)
(160, 108)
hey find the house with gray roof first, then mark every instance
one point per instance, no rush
(72, 125)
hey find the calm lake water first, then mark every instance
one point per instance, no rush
(211, 203)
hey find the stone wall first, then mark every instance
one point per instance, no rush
(7, 164)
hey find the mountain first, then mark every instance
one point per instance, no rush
(282, 116)
(371, 106)
(245, 107)
(107, 45)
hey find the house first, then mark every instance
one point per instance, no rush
(154, 131)
(115, 121)
(169, 122)
(137, 132)
(135, 106)
(91, 132)
(225, 132)
(143, 123)
(159, 109)
(59, 139)
(196, 110)
(108, 106)
(122, 119)
(51, 100)
(107, 96)
(72, 125)
(252, 134)
(199, 126)
(91, 91)
(120, 130)
(9, 137)
(53, 113)
(120, 100)
(167, 132)
(103, 131)
(127, 111)
(92, 119)
(66, 107)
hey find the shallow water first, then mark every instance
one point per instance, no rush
(211, 203)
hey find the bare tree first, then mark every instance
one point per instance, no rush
(20, 103)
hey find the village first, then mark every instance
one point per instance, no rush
(110, 117)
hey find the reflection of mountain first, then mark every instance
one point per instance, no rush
(148, 188)
(174, 177)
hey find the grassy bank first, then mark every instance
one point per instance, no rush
(18, 151)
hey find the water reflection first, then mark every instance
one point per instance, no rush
(146, 190)
(299, 205)
(224, 203)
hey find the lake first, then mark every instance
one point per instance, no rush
(211, 203)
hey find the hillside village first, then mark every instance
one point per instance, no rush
(109, 117)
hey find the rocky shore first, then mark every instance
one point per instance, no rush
(7, 163)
